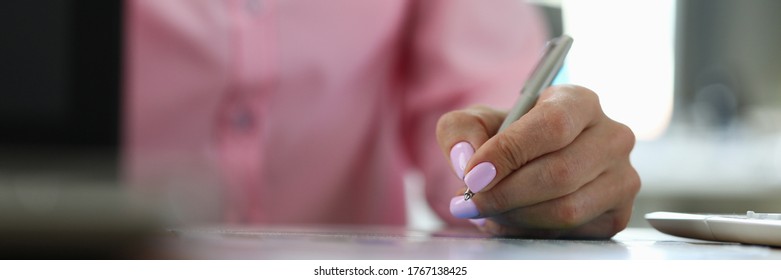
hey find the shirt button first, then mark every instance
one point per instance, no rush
(242, 120)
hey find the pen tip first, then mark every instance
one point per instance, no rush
(468, 194)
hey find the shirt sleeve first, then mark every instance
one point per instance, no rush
(462, 53)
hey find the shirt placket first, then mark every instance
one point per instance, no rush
(243, 114)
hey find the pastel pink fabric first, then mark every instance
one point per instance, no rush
(310, 112)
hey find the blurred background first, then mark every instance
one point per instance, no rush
(699, 81)
(60, 65)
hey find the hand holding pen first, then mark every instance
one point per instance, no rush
(557, 168)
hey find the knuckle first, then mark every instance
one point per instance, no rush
(633, 182)
(588, 94)
(621, 139)
(558, 174)
(568, 214)
(582, 93)
(557, 123)
(625, 138)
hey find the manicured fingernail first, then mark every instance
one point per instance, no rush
(478, 222)
(459, 156)
(463, 209)
(480, 176)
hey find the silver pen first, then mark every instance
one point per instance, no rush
(542, 77)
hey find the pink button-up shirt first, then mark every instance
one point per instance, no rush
(288, 111)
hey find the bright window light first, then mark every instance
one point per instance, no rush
(624, 51)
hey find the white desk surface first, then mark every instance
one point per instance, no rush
(378, 243)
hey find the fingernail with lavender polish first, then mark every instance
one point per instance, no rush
(463, 209)
(459, 156)
(480, 176)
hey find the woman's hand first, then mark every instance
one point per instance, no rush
(560, 171)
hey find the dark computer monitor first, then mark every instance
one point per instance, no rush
(60, 73)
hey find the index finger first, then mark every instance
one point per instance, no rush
(560, 115)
